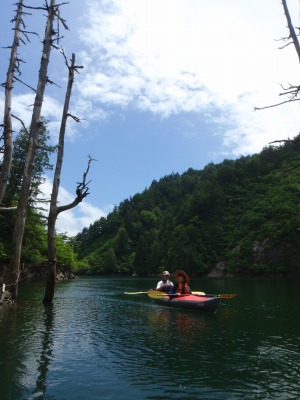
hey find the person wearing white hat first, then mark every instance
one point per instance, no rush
(165, 284)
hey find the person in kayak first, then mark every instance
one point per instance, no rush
(165, 285)
(182, 283)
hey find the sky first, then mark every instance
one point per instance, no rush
(166, 85)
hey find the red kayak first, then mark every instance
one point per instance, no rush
(190, 301)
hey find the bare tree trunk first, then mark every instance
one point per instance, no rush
(293, 34)
(81, 190)
(53, 212)
(292, 92)
(13, 273)
(7, 129)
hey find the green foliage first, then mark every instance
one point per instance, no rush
(34, 246)
(64, 252)
(41, 164)
(109, 261)
(3, 252)
(243, 213)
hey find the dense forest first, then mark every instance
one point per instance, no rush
(239, 216)
(35, 245)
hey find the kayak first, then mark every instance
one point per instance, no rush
(187, 301)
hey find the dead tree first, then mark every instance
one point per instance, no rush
(7, 120)
(291, 91)
(11, 275)
(81, 192)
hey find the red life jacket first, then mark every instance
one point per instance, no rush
(183, 288)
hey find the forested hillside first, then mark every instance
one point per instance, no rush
(239, 216)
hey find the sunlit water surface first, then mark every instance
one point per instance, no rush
(95, 342)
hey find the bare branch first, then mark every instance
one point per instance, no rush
(282, 140)
(286, 45)
(24, 127)
(63, 21)
(26, 33)
(76, 119)
(74, 67)
(43, 8)
(82, 190)
(18, 61)
(7, 209)
(292, 91)
(52, 83)
(275, 105)
(25, 84)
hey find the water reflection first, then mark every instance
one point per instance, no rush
(8, 365)
(95, 342)
(46, 350)
(186, 325)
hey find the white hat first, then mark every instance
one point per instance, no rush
(166, 273)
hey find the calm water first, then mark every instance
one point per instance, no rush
(97, 343)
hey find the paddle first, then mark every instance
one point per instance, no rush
(163, 293)
(158, 294)
(155, 293)
(135, 292)
(222, 296)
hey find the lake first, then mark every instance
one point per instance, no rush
(95, 342)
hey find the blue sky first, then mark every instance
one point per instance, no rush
(166, 85)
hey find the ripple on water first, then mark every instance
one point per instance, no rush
(97, 343)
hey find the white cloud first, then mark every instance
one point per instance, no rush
(178, 56)
(22, 106)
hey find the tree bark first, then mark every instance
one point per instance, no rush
(13, 273)
(293, 34)
(7, 124)
(291, 91)
(53, 212)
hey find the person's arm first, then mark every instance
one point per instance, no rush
(159, 285)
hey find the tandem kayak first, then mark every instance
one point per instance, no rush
(188, 301)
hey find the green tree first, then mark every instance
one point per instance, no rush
(110, 261)
(42, 164)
